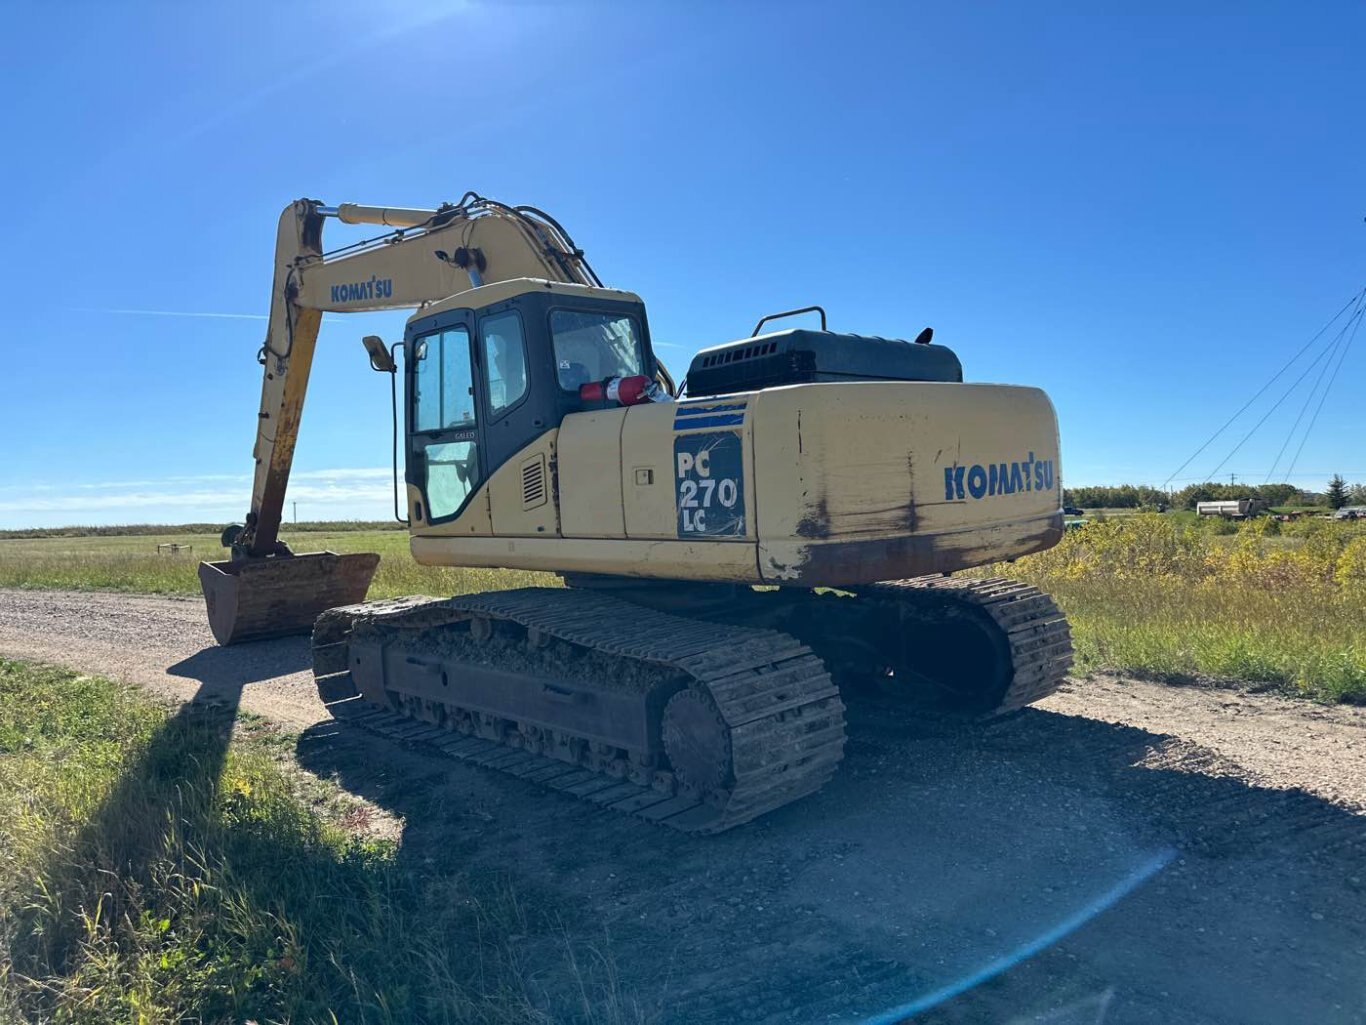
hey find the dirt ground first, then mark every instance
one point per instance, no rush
(1125, 852)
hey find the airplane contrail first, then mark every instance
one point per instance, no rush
(327, 322)
(179, 313)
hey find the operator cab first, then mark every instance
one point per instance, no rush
(491, 369)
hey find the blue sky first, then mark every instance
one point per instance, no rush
(1143, 211)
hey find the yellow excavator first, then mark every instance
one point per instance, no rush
(741, 553)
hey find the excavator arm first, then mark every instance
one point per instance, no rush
(265, 590)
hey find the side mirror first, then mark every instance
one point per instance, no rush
(381, 360)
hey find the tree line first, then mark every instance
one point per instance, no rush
(1140, 496)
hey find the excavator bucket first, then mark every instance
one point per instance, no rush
(251, 599)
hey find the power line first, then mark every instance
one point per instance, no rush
(1290, 435)
(1341, 360)
(1328, 351)
(1317, 335)
(1302, 473)
(1308, 401)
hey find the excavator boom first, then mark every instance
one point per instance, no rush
(264, 589)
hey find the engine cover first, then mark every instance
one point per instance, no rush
(800, 356)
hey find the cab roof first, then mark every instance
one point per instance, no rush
(501, 291)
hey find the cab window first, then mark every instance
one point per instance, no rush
(452, 475)
(504, 360)
(594, 347)
(444, 421)
(443, 386)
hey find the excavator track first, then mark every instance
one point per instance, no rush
(975, 647)
(752, 720)
(1025, 630)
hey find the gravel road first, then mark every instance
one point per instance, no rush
(1125, 852)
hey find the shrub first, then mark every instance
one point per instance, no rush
(1243, 601)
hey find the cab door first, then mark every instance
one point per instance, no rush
(446, 458)
(519, 417)
(512, 417)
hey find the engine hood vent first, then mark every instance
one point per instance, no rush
(801, 356)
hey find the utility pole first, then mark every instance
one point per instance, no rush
(296, 511)
(1232, 479)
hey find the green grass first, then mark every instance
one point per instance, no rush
(132, 563)
(1247, 602)
(153, 872)
(1298, 644)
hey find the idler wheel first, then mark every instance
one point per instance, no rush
(697, 741)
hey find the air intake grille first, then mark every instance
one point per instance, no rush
(533, 482)
(735, 355)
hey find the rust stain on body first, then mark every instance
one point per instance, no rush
(891, 558)
(912, 517)
(816, 523)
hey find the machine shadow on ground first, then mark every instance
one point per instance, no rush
(139, 839)
(252, 890)
(1038, 863)
(223, 672)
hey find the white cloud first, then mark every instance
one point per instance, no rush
(350, 473)
(338, 493)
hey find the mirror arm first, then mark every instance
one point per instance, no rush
(393, 405)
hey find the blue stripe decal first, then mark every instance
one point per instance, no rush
(703, 410)
(725, 420)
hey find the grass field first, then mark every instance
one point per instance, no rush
(132, 563)
(1262, 603)
(153, 872)
(157, 529)
(1166, 595)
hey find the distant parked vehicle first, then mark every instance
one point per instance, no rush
(1351, 512)
(1234, 509)
(1072, 510)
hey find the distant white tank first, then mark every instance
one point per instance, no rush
(1234, 509)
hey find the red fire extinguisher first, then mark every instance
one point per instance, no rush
(625, 391)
